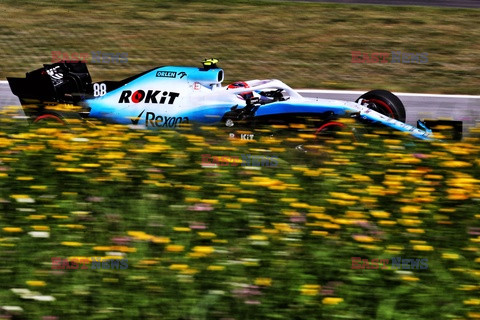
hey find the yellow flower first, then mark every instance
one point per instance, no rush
(41, 228)
(331, 300)
(257, 237)
(59, 217)
(196, 255)
(411, 230)
(450, 256)
(71, 244)
(394, 249)
(123, 249)
(418, 241)
(209, 201)
(178, 267)
(387, 222)
(189, 271)
(139, 235)
(181, 229)
(215, 268)
(468, 287)
(379, 214)
(328, 225)
(409, 222)
(343, 196)
(12, 229)
(270, 231)
(206, 234)
(71, 170)
(22, 198)
(148, 262)
(175, 248)
(350, 214)
(310, 289)
(409, 278)
(74, 226)
(363, 238)
(81, 213)
(266, 282)
(299, 205)
(422, 248)
(284, 227)
(25, 178)
(161, 240)
(410, 209)
(203, 249)
(455, 164)
(80, 259)
(102, 248)
(36, 283)
(247, 200)
(472, 301)
(36, 217)
(473, 315)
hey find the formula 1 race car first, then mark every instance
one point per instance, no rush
(166, 97)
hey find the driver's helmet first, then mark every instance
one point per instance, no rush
(241, 84)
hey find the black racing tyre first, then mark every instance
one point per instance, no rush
(384, 102)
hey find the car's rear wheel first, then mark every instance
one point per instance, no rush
(384, 102)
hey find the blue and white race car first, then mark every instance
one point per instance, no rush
(169, 96)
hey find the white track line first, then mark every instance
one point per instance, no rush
(429, 95)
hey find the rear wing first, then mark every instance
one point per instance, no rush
(63, 82)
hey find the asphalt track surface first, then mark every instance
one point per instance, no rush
(429, 3)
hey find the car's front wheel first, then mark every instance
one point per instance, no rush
(384, 102)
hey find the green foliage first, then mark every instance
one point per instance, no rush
(236, 242)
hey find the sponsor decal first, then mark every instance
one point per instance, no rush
(54, 73)
(59, 263)
(397, 263)
(152, 120)
(167, 74)
(243, 160)
(389, 57)
(170, 74)
(151, 96)
(135, 121)
(242, 136)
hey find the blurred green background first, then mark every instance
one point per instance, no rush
(236, 242)
(307, 45)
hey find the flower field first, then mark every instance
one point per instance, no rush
(235, 242)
